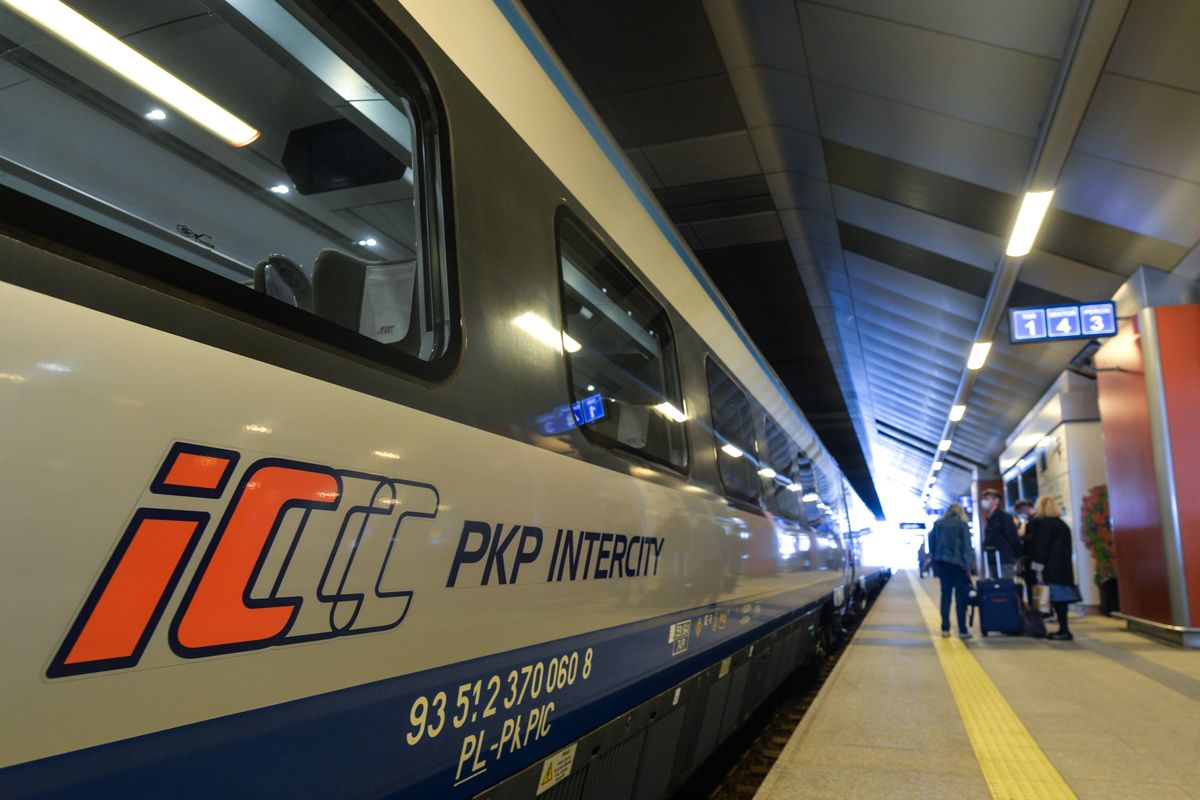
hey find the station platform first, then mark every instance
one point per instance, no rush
(908, 714)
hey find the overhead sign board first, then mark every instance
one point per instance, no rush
(1083, 321)
(912, 526)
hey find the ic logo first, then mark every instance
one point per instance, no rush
(301, 552)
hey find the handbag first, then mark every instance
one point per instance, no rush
(1064, 593)
(1041, 597)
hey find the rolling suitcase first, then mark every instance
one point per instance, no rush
(999, 606)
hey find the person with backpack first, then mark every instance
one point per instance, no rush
(952, 555)
(1049, 546)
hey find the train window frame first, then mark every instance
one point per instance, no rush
(756, 501)
(565, 215)
(778, 490)
(372, 42)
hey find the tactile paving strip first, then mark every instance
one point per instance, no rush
(1012, 763)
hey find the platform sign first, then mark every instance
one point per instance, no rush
(1098, 319)
(912, 526)
(1028, 324)
(1083, 321)
(1062, 322)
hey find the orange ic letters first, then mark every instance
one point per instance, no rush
(218, 611)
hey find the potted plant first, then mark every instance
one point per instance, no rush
(1098, 535)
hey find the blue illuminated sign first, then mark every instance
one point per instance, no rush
(1098, 319)
(1062, 322)
(1028, 324)
(566, 417)
(589, 409)
(1084, 321)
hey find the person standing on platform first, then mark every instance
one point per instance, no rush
(1049, 541)
(1024, 510)
(1000, 533)
(922, 560)
(950, 549)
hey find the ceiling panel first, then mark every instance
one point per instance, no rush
(1145, 125)
(947, 145)
(711, 158)
(1010, 24)
(934, 71)
(1157, 43)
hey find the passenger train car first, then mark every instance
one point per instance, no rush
(368, 430)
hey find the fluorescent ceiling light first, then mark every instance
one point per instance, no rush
(545, 333)
(957, 412)
(944, 444)
(363, 242)
(1029, 220)
(53, 366)
(767, 473)
(156, 114)
(258, 428)
(386, 454)
(979, 354)
(109, 51)
(811, 497)
(937, 465)
(666, 409)
(280, 188)
(731, 450)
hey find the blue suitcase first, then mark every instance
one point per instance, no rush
(999, 604)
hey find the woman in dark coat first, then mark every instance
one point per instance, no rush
(951, 552)
(1049, 547)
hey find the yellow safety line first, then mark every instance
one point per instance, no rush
(1012, 763)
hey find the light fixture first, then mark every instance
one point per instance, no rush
(811, 497)
(732, 451)
(386, 454)
(591, 388)
(363, 242)
(944, 444)
(666, 409)
(12, 377)
(155, 115)
(545, 333)
(101, 46)
(1029, 220)
(54, 366)
(253, 428)
(937, 465)
(979, 354)
(957, 412)
(767, 473)
(280, 188)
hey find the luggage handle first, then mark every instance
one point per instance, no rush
(987, 564)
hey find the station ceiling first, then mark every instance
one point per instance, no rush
(848, 173)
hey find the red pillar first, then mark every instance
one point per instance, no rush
(1149, 391)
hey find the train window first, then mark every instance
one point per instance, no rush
(783, 496)
(269, 166)
(733, 426)
(620, 353)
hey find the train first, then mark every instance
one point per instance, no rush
(369, 430)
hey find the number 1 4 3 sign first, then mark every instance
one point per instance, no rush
(1084, 321)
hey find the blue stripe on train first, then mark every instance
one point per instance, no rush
(352, 743)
